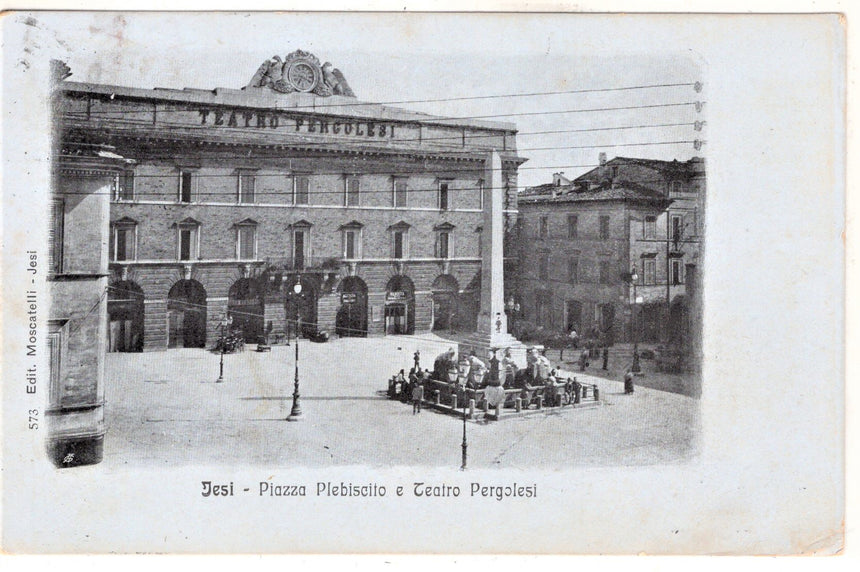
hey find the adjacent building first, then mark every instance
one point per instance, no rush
(77, 279)
(582, 242)
(236, 195)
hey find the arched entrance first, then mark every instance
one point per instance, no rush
(305, 303)
(245, 307)
(352, 316)
(125, 312)
(445, 294)
(400, 306)
(186, 315)
(607, 323)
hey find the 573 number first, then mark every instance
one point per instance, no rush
(34, 418)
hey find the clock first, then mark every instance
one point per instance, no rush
(303, 75)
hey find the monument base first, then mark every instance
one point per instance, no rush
(483, 342)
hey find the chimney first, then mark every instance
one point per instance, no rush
(602, 159)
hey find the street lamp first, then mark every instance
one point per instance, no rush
(634, 278)
(296, 411)
(465, 445)
(225, 321)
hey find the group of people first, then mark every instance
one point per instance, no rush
(411, 390)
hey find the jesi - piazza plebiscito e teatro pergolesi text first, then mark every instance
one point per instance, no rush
(371, 490)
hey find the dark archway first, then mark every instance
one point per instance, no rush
(125, 314)
(446, 292)
(607, 323)
(400, 305)
(186, 315)
(573, 316)
(649, 321)
(302, 305)
(245, 308)
(352, 316)
(677, 334)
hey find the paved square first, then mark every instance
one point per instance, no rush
(165, 409)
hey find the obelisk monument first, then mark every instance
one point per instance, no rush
(492, 326)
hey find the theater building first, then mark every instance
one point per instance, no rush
(236, 195)
(582, 240)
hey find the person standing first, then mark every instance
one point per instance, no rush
(583, 360)
(628, 382)
(417, 397)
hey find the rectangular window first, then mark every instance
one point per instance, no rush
(444, 198)
(349, 244)
(122, 246)
(573, 270)
(124, 186)
(677, 276)
(543, 226)
(247, 247)
(301, 190)
(650, 271)
(185, 238)
(353, 192)
(186, 182)
(247, 187)
(400, 193)
(606, 272)
(399, 240)
(572, 226)
(604, 226)
(650, 228)
(677, 228)
(543, 267)
(58, 207)
(444, 244)
(299, 249)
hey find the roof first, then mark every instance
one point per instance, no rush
(568, 194)
(670, 169)
(272, 100)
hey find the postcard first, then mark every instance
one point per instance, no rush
(464, 283)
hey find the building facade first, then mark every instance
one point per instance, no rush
(236, 195)
(666, 246)
(582, 241)
(78, 286)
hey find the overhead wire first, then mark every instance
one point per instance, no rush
(696, 85)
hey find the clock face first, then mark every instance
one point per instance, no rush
(303, 76)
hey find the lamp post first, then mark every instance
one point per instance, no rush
(634, 278)
(465, 445)
(296, 411)
(225, 321)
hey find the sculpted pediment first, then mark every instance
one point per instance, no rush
(301, 72)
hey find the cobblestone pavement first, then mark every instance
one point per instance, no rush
(165, 409)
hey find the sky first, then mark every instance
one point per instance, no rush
(408, 57)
